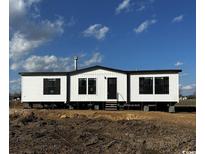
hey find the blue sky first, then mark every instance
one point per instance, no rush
(124, 34)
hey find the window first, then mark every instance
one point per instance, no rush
(162, 85)
(51, 86)
(146, 85)
(82, 82)
(92, 86)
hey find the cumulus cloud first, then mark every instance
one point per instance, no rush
(46, 63)
(51, 63)
(19, 45)
(54, 63)
(23, 42)
(124, 5)
(144, 25)
(97, 31)
(188, 89)
(18, 11)
(179, 64)
(178, 18)
(27, 33)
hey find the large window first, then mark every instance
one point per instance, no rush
(162, 85)
(51, 86)
(146, 85)
(82, 86)
(91, 85)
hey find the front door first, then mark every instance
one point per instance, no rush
(112, 88)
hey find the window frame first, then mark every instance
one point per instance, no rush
(57, 90)
(165, 89)
(151, 88)
(79, 86)
(88, 92)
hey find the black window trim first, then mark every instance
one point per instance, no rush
(46, 93)
(151, 77)
(85, 88)
(95, 86)
(155, 85)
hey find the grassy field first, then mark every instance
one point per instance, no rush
(188, 102)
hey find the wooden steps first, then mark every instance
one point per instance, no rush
(111, 106)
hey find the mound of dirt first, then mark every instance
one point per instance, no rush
(31, 133)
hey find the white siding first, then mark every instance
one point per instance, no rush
(173, 89)
(32, 89)
(101, 86)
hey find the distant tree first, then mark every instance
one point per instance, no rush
(193, 96)
(14, 96)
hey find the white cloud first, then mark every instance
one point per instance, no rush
(97, 30)
(178, 18)
(144, 25)
(23, 42)
(14, 85)
(179, 64)
(18, 10)
(27, 33)
(54, 63)
(125, 5)
(96, 58)
(46, 63)
(20, 45)
(188, 87)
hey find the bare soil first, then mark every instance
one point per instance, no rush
(89, 131)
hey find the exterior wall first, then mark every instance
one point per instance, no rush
(173, 95)
(101, 86)
(32, 89)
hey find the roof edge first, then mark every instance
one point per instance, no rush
(97, 67)
(100, 67)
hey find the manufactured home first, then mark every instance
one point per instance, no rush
(101, 87)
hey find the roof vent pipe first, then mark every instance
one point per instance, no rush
(75, 63)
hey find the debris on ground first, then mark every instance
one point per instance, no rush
(59, 131)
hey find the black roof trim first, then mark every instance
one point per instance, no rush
(97, 67)
(43, 73)
(100, 67)
(155, 71)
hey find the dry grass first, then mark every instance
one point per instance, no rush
(188, 119)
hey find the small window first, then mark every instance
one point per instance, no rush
(82, 82)
(146, 85)
(92, 86)
(162, 85)
(51, 86)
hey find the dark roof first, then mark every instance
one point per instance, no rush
(101, 67)
(155, 71)
(95, 68)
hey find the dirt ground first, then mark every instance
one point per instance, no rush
(90, 131)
